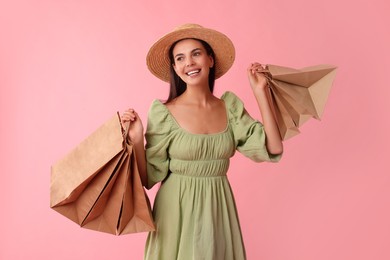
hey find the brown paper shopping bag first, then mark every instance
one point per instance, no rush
(298, 95)
(97, 185)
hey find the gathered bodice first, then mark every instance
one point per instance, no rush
(172, 149)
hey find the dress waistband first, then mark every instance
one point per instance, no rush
(204, 168)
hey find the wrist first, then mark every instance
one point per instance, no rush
(260, 89)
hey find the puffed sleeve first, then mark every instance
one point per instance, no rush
(157, 143)
(249, 134)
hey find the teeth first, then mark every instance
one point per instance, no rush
(192, 72)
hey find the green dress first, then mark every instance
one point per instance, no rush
(194, 209)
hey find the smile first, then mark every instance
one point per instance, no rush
(192, 72)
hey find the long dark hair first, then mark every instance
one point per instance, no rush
(177, 85)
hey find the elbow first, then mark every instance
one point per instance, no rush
(275, 149)
(276, 152)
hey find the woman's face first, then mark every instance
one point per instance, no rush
(191, 62)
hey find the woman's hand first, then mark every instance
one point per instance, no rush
(257, 79)
(136, 131)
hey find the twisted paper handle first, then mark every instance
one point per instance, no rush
(125, 130)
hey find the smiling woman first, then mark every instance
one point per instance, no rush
(190, 140)
(66, 65)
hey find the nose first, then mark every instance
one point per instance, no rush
(189, 62)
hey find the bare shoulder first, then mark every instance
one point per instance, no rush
(171, 105)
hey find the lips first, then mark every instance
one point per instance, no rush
(193, 72)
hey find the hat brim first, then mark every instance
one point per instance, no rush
(158, 61)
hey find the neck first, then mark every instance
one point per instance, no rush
(199, 95)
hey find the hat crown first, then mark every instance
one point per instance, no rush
(188, 26)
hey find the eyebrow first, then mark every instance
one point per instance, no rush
(194, 50)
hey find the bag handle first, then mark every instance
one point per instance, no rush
(125, 128)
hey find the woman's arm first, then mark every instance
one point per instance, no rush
(136, 135)
(259, 86)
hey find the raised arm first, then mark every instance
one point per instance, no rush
(260, 90)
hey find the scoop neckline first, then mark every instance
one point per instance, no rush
(199, 134)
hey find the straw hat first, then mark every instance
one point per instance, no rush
(158, 61)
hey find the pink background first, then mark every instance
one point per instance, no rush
(67, 66)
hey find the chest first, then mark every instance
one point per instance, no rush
(201, 121)
(201, 147)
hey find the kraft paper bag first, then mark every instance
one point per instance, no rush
(97, 185)
(298, 95)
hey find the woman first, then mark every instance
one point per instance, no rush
(190, 139)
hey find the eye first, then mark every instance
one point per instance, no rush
(179, 58)
(197, 53)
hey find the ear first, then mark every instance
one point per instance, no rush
(211, 61)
